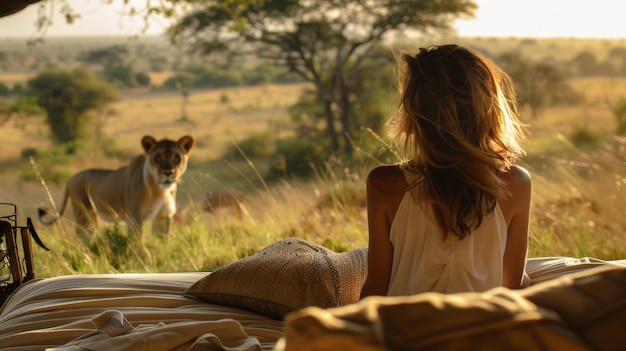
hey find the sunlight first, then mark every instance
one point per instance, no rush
(494, 18)
(546, 19)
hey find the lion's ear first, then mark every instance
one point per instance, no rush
(148, 142)
(186, 143)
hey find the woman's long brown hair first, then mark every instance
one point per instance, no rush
(458, 110)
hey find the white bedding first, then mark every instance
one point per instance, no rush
(115, 312)
(127, 312)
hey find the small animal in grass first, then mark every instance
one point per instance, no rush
(232, 199)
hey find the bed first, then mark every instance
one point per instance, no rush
(308, 308)
(150, 309)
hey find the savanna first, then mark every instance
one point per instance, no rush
(576, 155)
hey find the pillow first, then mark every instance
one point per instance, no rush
(286, 276)
(499, 319)
(592, 302)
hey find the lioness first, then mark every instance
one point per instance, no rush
(144, 190)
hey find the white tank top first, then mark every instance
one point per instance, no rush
(423, 261)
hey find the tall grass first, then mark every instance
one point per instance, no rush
(578, 198)
(331, 215)
(577, 212)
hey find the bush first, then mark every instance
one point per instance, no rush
(298, 158)
(179, 81)
(583, 134)
(256, 146)
(224, 99)
(619, 110)
(112, 244)
(4, 89)
(143, 79)
(219, 79)
(53, 164)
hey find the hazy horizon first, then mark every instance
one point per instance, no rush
(494, 18)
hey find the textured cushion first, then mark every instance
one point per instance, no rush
(592, 303)
(499, 319)
(286, 276)
(577, 312)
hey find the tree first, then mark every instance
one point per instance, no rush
(116, 65)
(538, 84)
(619, 111)
(326, 42)
(4, 89)
(23, 107)
(109, 56)
(164, 9)
(68, 97)
(585, 63)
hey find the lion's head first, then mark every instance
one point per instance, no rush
(168, 158)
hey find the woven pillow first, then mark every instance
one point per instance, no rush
(286, 276)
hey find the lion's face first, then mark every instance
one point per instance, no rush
(168, 158)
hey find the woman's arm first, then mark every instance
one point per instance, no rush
(519, 183)
(384, 186)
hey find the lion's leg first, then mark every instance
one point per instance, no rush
(163, 225)
(134, 227)
(169, 224)
(86, 219)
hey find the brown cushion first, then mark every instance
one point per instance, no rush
(499, 319)
(592, 304)
(286, 276)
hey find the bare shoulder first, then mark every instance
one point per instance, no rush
(518, 182)
(387, 179)
(516, 177)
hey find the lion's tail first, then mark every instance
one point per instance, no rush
(43, 211)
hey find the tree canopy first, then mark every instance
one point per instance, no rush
(329, 43)
(67, 97)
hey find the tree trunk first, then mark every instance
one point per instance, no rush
(330, 125)
(346, 125)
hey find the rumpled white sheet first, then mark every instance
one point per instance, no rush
(541, 269)
(111, 312)
(115, 332)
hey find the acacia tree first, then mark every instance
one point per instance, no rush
(67, 97)
(538, 84)
(329, 43)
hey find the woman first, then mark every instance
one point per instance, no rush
(453, 215)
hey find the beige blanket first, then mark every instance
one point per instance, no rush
(573, 305)
(149, 312)
(127, 312)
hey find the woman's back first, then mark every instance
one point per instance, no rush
(423, 260)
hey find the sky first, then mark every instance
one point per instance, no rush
(499, 18)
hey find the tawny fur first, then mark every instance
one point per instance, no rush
(144, 190)
(232, 199)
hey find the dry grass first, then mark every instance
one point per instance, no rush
(216, 118)
(578, 192)
(10, 78)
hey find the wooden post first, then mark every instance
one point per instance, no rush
(28, 254)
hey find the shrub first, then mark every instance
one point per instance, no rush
(4, 89)
(256, 146)
(298, 158)
(619, 110)
(583, 134)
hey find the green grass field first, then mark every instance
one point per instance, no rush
(578, 190)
